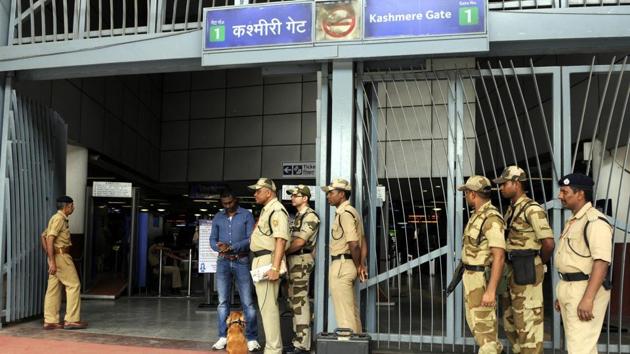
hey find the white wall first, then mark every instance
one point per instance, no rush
(615, 170)
(76, 178)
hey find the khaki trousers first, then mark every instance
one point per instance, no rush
(341, 279)
(67, 277)
(267, 293)
(581, 336)
(174, 272)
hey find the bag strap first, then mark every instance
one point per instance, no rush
(270, 224)
(341, 225)
(586, 225)
(521, 211)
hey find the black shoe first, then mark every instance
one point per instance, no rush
(299, 351)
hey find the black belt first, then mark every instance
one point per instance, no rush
(579, 276)
(345, 255)
(261, 253)
(301, 252)
(474, 268)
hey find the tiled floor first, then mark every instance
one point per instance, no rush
(144, 322)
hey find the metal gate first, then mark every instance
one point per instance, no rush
(424, 128)
(32, 173)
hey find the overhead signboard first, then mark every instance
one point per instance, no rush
(421, 18)
(112, 189)
(328, 29)
(298, 169)
(251, 26)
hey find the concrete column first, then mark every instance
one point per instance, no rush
(341, 139)
(76, 182)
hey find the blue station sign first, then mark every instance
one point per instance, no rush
(419, 18)
(248, 26)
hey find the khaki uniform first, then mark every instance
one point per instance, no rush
(154, 261)
(572, 256)
(304, 226)
(66, 275)
(523, 304)
(477, 242)
(273, 223)
(347, 227)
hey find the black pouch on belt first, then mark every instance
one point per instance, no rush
(523, 266)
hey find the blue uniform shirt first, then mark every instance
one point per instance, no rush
(235, 232)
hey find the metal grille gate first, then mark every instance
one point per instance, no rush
(422, 130)
(32, 173)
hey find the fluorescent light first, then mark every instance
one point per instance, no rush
(197, 215)
(204, 210)
(144, 209)
(437, 209)
(161, 210)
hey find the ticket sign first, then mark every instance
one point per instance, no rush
(418, 18)
(248, 26)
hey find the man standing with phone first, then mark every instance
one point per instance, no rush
(231, 229)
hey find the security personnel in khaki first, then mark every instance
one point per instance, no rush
(582, 259)
(61, 271)
(268, 243)
(483, 248)
(529, 245)
(348, 252)
(300, 263)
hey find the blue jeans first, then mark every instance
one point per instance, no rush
(238, 270)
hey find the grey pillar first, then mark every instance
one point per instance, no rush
(341, 138)
(321, 163)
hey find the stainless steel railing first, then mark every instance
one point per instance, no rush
(40, 21)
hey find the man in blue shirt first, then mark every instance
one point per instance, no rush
(231, 229)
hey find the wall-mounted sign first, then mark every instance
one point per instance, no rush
(207, 256)
(248, 26)
(419, 18)
(298, 169)
(112, 189)
(338, 20)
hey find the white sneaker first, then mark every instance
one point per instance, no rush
(253, 346)
(220, 344)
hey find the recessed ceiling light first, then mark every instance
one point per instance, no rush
(204, 210)
(161, 210)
